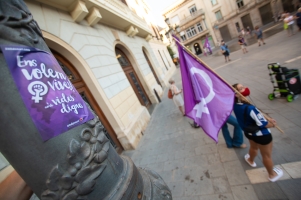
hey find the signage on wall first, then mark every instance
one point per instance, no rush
(50, 98)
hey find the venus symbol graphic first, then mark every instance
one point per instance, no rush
(37, 89)
(201, 107)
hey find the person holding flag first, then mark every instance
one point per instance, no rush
(256, 129)
(208, 100)
(207, 47)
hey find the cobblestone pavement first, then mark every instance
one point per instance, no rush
(195, 168)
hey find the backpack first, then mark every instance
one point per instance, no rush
(169, 94)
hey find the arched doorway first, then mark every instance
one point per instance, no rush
(132, 77)
(197, 49)
(151, 67)
(84, 91)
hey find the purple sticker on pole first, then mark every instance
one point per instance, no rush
(51, 100)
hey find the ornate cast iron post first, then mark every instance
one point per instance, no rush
(78, 164)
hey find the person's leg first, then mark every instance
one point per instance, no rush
(253, 151)
(237, 140)
(262, 41)
(182, 110)
(226, 135)
(258, 40)
(266, 153)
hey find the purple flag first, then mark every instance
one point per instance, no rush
(207, 45)
(51, 100)
(208, 100)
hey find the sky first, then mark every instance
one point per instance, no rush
(157, 6)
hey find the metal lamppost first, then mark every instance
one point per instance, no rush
(77, 164)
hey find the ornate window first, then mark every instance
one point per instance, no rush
(192, 10)
(240, 3)
(199, 26)
(214, 2)
(191, 32)
(218, 15)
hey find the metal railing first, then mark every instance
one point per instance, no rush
(191, 17)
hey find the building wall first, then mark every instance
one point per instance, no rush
(94, 49)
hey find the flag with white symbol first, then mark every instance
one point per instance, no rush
(208, 100)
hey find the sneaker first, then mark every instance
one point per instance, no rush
(279, 173)
(263, 43)
(259, 45)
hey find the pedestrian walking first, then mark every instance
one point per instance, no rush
(243, 32)
(225, 51)
(258, 34)
(243, 44)
(289, 20)
(238, 138)
(298, 17)
(256, 129)
(177, 98)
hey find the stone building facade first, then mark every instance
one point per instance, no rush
(193, 20)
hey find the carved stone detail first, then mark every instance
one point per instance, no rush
(86, 162)
(17, 23)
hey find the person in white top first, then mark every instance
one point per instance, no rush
(289, 19)
(177, 97)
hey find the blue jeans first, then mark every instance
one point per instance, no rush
(238, 138)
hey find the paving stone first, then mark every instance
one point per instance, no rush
(164, 157)
(199, 161)
(217, 197)
(221, 185)
(293, 169)
(168, 176)
(244, 192)
(269, 191)
(235, 173)
(214, 171)
(157, 167)
(260, 175)
(291, 188)
(175, 164)
(182, 154)
(226, 154)
(186, 198)
(213, 159)
(200, 186)
(206, 149)
(190, 174)
(177, 188)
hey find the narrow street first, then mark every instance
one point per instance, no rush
(195, 168)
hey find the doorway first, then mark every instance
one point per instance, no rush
(197, 49)
(288, 5)
(151, 67)
(132, 77)
(87, 96)
(225, 33)
(266, 14)
(247, 22)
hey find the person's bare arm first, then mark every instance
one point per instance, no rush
(14, 188)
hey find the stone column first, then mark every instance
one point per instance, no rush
(78, 164)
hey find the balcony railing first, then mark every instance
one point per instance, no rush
(191, 17)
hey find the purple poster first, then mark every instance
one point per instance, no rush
(51, 100)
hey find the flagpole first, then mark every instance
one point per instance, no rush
(209, 68)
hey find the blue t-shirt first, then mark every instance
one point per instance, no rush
(253, 115)
(225, 48)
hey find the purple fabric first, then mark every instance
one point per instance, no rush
(207, 99)
(207, 45)
(50, 98)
